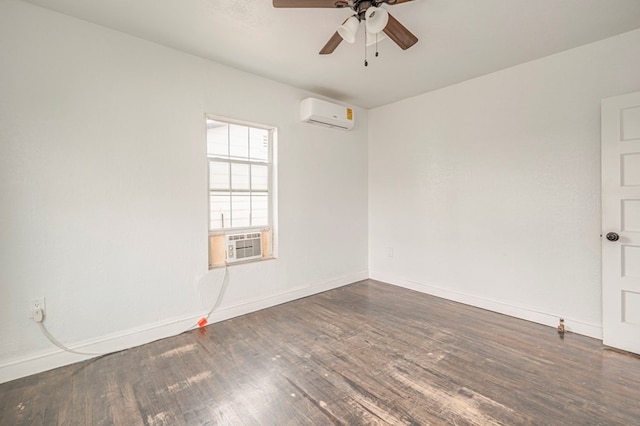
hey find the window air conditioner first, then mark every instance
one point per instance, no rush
(325, 113)
(243, 246)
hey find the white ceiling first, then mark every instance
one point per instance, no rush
(459, 39)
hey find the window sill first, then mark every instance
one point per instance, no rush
(241, 262)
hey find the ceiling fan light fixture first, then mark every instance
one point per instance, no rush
(376, 19)
(349, 29)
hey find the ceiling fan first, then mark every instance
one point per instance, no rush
(376, 20)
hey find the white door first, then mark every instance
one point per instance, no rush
(621, 222)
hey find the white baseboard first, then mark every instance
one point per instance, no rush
(522, 312)
(55, 358)
(288, 296)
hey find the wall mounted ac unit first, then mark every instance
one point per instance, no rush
(317, 111)
(243, 246)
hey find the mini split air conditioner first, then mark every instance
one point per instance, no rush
(243, 246)
(317, 111)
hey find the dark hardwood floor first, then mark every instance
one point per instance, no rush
(367, 353)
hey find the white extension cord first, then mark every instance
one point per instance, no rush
(38, 314)
(39, 317)
(223, 288)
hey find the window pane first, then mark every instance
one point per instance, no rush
(259, 144)
(240, 176)
(220, 213)
(259, 178)
(218, 175)
(241, 209)
(217, 138)
(259, 209)
(239, 141)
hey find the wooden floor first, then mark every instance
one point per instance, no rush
(367, 353)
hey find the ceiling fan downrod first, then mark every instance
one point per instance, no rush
(361, 6)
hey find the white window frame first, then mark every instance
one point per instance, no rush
(271, 190)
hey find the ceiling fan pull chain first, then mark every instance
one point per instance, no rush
(366, 64)
(376, 45)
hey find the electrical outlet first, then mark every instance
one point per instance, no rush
(36, 304)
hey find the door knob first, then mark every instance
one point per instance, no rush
(612, 236)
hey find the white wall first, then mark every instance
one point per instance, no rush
(488, 192)
(103, 197)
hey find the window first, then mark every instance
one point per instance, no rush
(240, 190)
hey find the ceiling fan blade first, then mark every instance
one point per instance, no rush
(331, 45)
(399, 33)
(310, 3)
(391, 2)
